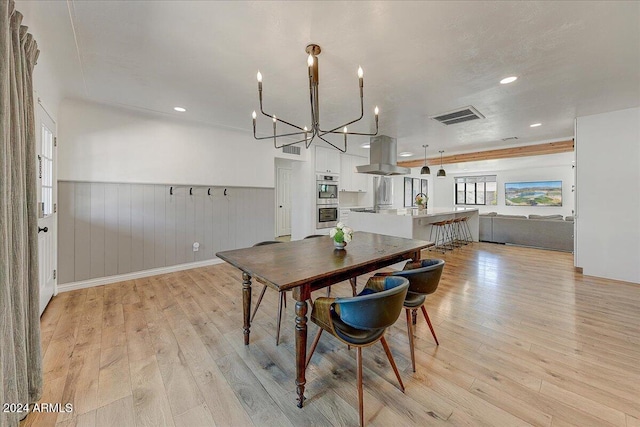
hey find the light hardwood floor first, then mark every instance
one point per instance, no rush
(523, 340)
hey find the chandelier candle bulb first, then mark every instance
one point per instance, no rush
(310, 60)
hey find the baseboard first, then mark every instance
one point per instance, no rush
(135, 275)
(578, 270)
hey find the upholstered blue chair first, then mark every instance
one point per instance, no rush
(361, 321)
(424, 277)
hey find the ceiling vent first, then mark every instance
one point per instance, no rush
(290, 149)
(460, 115)
(511, 138)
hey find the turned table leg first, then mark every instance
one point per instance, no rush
(301, 294)
(246, 305)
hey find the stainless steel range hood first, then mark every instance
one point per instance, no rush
(383, 158)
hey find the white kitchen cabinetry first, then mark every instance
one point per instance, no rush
(344, 215)
(327, 160)
(350, 179)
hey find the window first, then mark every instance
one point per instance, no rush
(476, 190)
(412, 187)
(45, 173)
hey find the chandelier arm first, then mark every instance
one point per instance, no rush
(278, 119)
(335, 146)
(352, 133)
(278, 136)
(324, 132)
(289, 143)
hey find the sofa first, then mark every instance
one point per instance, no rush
(539, 231)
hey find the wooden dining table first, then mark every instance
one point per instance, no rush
(304, 266)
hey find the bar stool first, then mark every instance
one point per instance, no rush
(459, 233)
(466, 230)
(442, 240)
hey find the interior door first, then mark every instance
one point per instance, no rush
(283, 204)
(47, 204)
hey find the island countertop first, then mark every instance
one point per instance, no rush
(409, 222)
(415, 213)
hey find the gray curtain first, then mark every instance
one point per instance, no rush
(20, 356)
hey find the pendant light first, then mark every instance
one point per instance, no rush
(425, 169)
(441, 172)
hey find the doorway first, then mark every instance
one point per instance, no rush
(46, 144)
(283, 201)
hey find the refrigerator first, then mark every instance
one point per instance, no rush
(382, 192)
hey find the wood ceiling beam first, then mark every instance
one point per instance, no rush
(502, 153)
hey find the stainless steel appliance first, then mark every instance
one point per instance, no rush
(383, 158)
(382, 192)
(326, 189)
(327, 216)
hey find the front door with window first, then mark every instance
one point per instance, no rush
(47, 194)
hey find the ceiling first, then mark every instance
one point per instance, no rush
(419, 59)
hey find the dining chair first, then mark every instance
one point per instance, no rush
(281, 301)
(362, 320)
(424, 277)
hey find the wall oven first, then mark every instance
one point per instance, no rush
(327, 216)
(326, 189)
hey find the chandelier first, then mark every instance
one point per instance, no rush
(305, 134)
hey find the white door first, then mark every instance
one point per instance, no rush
(47, 205)
(283, 202)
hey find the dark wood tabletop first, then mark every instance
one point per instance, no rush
(315, 261)
(306, 265)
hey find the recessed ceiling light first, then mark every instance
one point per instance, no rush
(365, 145)
(535, 125)
(180, 109)
(507, 80)
(405, 154)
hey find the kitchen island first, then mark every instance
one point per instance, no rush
(410, 223)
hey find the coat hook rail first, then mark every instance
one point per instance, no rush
(210, 190)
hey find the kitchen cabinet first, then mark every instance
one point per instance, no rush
(327, 160)
(344, 215)
(350, 179)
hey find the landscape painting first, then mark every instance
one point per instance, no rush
(539, 193)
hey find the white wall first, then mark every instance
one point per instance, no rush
(608, 195)
(550, 167)
(100, 143)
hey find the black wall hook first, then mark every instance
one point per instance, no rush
(171, 191)
(225, 191)
(209, 192)
(191, 191)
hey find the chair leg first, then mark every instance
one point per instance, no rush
(313, 346)
(426, 316)
(282, 298)
(285, 299)
(354, 284)
(328, 291)
(360, 391)
(393, 362)
(255, 309)
(410, 334)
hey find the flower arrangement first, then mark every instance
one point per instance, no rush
(341, 233)
(421, 200)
